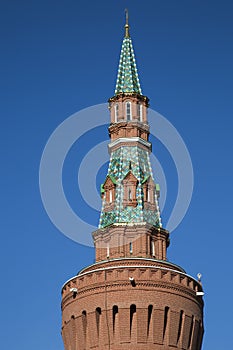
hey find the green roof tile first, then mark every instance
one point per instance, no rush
(127, 77)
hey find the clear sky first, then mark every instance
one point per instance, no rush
(58, 57)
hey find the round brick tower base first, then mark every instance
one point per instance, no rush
(132, 303)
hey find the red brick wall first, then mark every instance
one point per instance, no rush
(166, 312)
(113, 241)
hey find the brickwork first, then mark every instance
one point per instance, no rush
(126, 130)
(120, 241)
(159, 311)
(120, 100)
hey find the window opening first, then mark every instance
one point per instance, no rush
(132, 312)
(98, 313)
(129, 194)
(116, 112)
(130, 247)
(128, 110)
(148, 194)
(165, 320)
(150, 309)
(84, 322)
(152, 247)
(114, 313)
(139, 111)
(110, 196)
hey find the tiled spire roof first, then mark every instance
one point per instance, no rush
(127, 77)
(135, 160)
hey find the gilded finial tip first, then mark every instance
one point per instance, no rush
(126, 23)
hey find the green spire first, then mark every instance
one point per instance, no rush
(127, 78)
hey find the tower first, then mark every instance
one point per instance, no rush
(132, 297)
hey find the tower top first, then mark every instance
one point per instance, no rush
(127, 77)
(127, 24)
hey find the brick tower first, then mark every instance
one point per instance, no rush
(132, 298)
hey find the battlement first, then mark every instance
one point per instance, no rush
(128, 306)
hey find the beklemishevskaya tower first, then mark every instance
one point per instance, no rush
(132, 297)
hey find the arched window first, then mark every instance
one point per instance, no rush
(97, 314)
(114, 317)
(128, 110)
(84, 322)
(116, 112)
(132, 316)
(139, 111)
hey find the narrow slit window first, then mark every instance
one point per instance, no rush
(84, 322)
(165, 320)
(110, 196)
(114, 315)
(130, 247)
(150, 309)
(98, 313)
(132, 315)
(130, 194)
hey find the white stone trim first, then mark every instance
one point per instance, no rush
(128, 140)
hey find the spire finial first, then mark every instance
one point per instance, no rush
(127, 24)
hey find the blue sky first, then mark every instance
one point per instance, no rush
(58, 57)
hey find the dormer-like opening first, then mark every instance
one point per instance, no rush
(149, 193)
(109, 190)
(130, 183)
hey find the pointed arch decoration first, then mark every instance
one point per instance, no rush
(130, 183)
